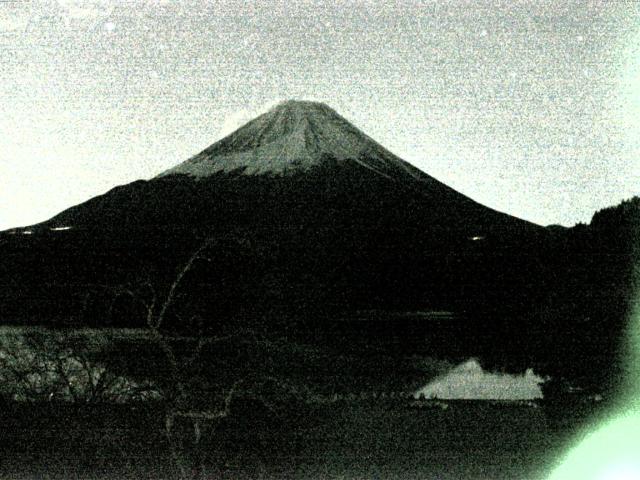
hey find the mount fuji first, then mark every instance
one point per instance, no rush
(306, 213)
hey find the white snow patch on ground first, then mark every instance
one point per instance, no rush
(468, 381)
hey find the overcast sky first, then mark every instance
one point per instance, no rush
(530, 107)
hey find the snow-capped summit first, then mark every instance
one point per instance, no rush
(294, 136)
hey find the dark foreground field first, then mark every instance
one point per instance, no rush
(341, 440)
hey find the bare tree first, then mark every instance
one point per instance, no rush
(42, 365)
(180, 405)
(184, 403)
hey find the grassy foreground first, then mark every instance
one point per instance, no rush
(342, 440)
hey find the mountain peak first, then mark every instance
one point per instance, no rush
(295, 135)
(303, 106)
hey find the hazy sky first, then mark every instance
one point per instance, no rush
(530, 107)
